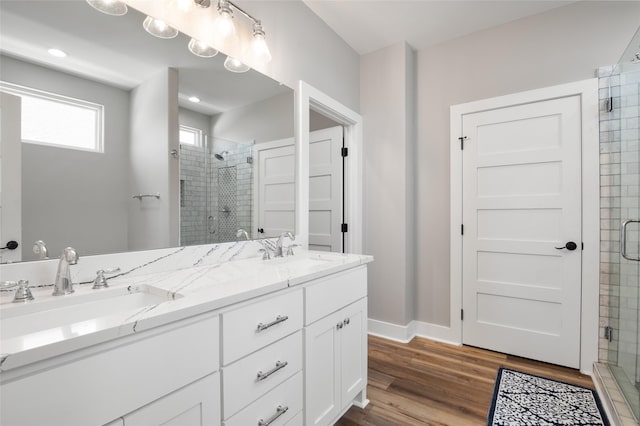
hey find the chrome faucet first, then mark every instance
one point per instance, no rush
(40, 249)
(240, 232)
(280, 240)
(63, 284)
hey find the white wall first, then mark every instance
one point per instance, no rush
(70, 197)
(562, 45)
(386, 88)
(154, 132)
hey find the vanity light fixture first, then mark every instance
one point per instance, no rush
(159, 28)
(57, 53)
(110, 7)
(194, 99)
(201, 49)
(235, 65)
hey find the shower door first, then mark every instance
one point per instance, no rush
(620, 214)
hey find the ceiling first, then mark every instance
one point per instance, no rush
(369, 25)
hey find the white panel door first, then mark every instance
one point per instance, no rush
(10, 176)
(521, 205)
(325, 189)
(276, 186)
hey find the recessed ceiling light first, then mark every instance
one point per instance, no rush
(57, 53)
(194, 99)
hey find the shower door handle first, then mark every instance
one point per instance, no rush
(623, 239)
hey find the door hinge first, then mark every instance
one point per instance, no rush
(608, 333)
(462, 139)
(344, 151)
(344, 228)
(582, 246)
(461, 314)
(462, 229)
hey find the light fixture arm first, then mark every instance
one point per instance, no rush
(207, 3)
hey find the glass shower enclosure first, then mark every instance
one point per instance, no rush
(620, 221)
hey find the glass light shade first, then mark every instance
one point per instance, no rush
(260, 50)
(234, 65)
(184, 5)
(223, 25)
(110, 7)
(159, 28)
(201, 49)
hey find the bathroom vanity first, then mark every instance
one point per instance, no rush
(232, 342)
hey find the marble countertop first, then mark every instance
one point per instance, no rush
(186, 282)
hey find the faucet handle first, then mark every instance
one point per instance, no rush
(290, 249)
(23, 293)
(265, 254)
(100, 281)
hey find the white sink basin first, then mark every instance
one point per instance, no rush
(18, 320)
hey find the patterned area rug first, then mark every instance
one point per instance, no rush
(521, 399)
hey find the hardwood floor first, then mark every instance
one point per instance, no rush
(431, 383)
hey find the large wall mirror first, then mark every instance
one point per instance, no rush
(143, 166)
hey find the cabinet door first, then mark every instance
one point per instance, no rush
(322, 384)
(197, 404)
(353, 351)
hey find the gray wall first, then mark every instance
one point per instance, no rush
(387, 105)
(264, 121)
(154, 132)
(70, 197)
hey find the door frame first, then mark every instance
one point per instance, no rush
(589, 312)
(309, 98)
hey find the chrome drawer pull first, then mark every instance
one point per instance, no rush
(279, 411)
(279, 366)
(278, 320)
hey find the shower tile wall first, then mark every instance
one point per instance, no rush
(193, 196)
(239, 168)
(619, 190)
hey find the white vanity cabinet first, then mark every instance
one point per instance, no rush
(98, 384)
(335, 346)
(196, 404)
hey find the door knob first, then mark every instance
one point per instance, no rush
(569, 246)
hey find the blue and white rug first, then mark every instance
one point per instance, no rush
(521, 399)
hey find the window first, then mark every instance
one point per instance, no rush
(190, 136)
(55, 120)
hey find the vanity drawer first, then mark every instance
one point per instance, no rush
(287, 395)
(240, 382)
(254, 326)
(329, 294)
(296, 421)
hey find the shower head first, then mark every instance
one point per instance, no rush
(222, 156)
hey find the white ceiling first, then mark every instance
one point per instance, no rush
(369, 25)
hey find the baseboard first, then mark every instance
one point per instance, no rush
(404, 333)
(387, 330)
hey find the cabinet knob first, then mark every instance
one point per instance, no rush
(346, 321)
(339, 325)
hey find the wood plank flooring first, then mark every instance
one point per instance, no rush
(431, 383)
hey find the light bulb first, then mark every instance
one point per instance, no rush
(201, 49)
(110, 7)
(159, 28)
(223, 25)
(57, 53)
(259, 49)
(234, 65)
